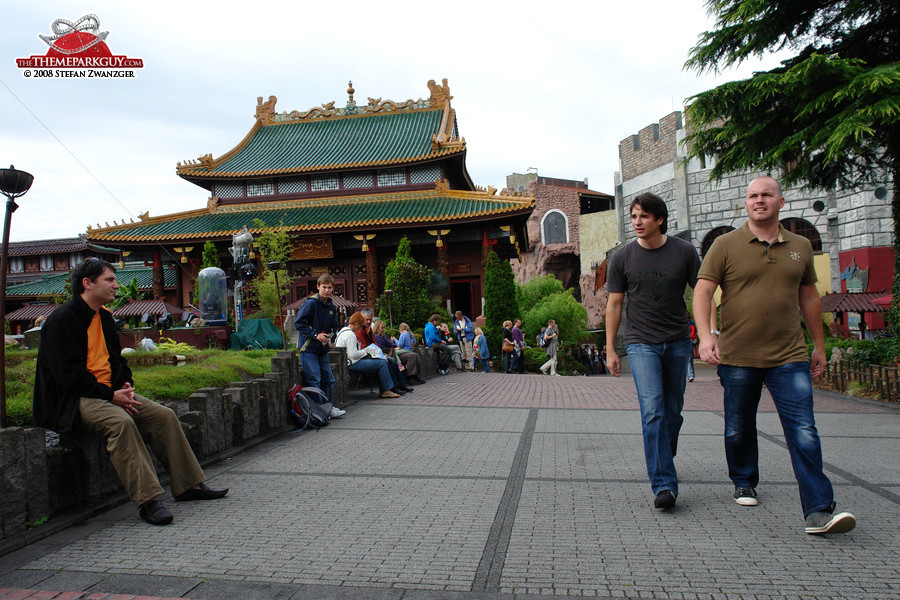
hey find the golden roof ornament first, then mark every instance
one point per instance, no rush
(265, 111)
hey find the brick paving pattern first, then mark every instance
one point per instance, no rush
(499, 486)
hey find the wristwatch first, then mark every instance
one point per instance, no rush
(714, 332)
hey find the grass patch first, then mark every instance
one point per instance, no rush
(153, 376)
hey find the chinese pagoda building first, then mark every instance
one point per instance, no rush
(346, 184)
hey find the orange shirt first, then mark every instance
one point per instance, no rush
(98, 354)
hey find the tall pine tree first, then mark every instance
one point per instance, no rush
(828, 117)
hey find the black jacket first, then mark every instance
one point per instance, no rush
(61, 377)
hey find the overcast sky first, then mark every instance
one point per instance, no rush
(548, 85)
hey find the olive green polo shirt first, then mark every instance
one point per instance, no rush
(760, 317)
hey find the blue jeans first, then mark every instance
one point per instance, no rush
(379, 367)
(510, 361)
(317, 372)
(791, 389)
(659, 372)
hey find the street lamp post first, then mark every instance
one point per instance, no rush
(274, 266)
(13, 183)
(390, 294)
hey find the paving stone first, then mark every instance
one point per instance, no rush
(533, 487)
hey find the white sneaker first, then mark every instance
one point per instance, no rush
(337, 413)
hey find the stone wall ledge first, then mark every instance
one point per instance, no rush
(68, 483)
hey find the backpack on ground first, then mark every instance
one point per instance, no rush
(308, 407)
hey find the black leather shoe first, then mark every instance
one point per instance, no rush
(398, 390)
(155, 513)
(407, 389)
(204, 493)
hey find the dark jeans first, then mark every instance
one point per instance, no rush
(377, 366)
(510, 365)
(317, 372)
(659, 377)
(444, 354)
(791, 389)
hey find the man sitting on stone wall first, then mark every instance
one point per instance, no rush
(83, 383)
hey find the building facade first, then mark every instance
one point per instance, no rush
(569, 233)
(347, 184)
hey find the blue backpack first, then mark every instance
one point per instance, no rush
(308, 407)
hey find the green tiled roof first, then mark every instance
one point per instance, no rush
(424, 207)
(55, 284)
(322, 144)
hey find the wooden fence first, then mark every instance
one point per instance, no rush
(885, 380)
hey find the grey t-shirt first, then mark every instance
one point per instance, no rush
(654, 282)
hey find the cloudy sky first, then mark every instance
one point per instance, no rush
(546, 85)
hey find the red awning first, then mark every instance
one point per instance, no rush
(31, 312)
(139, 308)
(884, 301)
(861, 302)
(338, 301)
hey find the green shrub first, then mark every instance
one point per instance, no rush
(863, 352)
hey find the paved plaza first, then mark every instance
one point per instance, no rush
(497, 486)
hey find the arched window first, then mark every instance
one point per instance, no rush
(554, 228)
(806, 229)
(711, 237)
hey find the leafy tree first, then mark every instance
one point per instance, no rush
(408, 281)
(569, 314)
(404, 253)
(127, 293)
(210, 256)
(536, 289)
(828, 116)
(499, 297)
(273, 244)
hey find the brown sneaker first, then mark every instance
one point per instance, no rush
(389, 394)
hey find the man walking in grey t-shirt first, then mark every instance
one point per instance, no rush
(654, 271)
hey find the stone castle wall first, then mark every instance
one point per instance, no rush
(845, 219)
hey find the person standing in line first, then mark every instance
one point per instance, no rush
(465, 333)
(653, 271)
(316, 323)
(766, 273)
(509, 348)
(551, 340)
(519, 342)
(481, 349)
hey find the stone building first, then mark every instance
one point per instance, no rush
(569, 233)
(846, 227)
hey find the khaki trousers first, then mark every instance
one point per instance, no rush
(125, 437)
(465, 347)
